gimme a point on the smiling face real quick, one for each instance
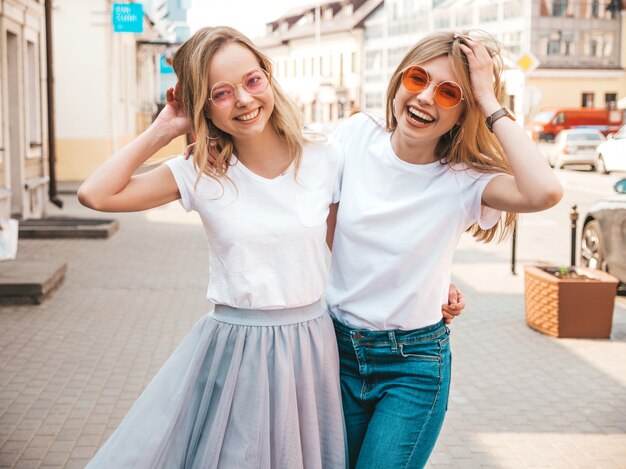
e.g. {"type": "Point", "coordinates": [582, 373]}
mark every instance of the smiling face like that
{"type": "Point", "coordinates": [248, 116]}
{"type": "Point", "coordinates": [420, 119]}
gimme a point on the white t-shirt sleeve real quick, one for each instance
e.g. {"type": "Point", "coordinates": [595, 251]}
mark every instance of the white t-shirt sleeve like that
{"type": "Point", "coordinates": [486, 217]}
{"type": "Point", "coordinates": [472, 184]}
{"type": "Point", "coordinates": [185, 175]}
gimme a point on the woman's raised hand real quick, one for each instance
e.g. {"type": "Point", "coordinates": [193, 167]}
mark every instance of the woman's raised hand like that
{"type": "Point", "coordinates": [172, 119]}
{"type": "Point", "coordinates": [481, 67]}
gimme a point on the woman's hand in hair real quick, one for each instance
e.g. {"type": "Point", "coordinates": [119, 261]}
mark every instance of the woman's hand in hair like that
{"type": "Point", "coordinates": [481, 67]}
{"type": "Point", "coordinates": [172, 120]}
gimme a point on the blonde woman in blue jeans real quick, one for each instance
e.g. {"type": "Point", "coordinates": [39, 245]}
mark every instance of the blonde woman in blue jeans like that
{"type": "Point", "coordinates": [447, 159]}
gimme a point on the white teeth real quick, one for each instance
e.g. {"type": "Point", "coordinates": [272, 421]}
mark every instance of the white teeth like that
{"type": "Point", "coordinates": [247, 117]}
{"type": "Point", "coordinates": [421, 115]}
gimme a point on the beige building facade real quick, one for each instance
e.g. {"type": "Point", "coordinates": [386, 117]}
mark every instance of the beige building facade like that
{"type": "Point", "coordinates": [578, 45]}
{"type": "Point", "coordinates": [23, 109]}
{"type": "Point", "coordinates": [106, 85]}
{"type": "Point", "coordinates": [318, 54]}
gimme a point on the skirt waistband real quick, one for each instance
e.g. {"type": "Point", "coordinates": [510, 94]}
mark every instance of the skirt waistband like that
{"type": "Point", "coordinates": [267, 317]}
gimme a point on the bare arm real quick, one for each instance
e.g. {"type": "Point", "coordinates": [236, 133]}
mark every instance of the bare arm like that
{"type": "Point", "coordinates": [331, 222]}
{"type": "Point", "coordinates": [533, 186]}
{"type": "Point", "coordinates": [113, 188]}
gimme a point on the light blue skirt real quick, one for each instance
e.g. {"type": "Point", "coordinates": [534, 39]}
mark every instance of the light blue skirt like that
{"type": "Point", "coordinates": [245, 389]}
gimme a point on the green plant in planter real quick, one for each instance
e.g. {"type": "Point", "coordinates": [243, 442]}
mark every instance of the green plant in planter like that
{"type": "Point", "coordinates": [562, 270]}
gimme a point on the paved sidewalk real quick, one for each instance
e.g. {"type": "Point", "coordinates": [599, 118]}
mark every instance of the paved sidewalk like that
{"type": "Point", "coordinates": [71, 368]}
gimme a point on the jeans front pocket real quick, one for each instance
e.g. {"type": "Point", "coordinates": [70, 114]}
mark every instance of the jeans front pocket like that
{"type": "Point", "coordinates": [420, 353]}
{"type": "Point", "coordinates": [419, 356]}
{"type": "Point", "coordinates": [427, 348]}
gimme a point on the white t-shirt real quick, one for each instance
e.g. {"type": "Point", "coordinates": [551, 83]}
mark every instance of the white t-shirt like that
{"type": "Point", "coordinates": [397, 228]}
{"type": "Point", "coordinates": [267, 237]}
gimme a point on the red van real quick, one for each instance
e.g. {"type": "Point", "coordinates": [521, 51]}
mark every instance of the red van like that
{"type": "Point", "coordinates": [549, 122]}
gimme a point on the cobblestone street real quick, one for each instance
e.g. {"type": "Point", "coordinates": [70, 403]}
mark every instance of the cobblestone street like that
{"type": "Point", "coordinates": [71, 368]}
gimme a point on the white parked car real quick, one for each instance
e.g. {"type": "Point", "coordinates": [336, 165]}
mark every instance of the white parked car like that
{"type": "Point", "coordinates": [574, 146]}
{"type": "Point", "coordinates": [611, 155]}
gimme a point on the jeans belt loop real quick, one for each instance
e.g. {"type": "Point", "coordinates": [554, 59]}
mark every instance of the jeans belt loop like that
{"type": "Point", "coordinates": [392, 339]}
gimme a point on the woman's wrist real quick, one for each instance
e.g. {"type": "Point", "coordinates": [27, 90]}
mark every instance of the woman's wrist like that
{"type": "Point", "coordinates": [490, 107]}
{"type": "Point", "coordinates": [160, 134]}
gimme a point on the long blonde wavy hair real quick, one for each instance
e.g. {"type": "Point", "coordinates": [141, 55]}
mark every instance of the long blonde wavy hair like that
{"type": "Point", "coordinates": [469, 142]}
{"type": "Point", "coordinates": [191, 65]}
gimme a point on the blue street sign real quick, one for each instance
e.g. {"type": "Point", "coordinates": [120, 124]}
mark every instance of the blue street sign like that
{"type": "Point", "coordinates": [128, 17]}
{"type": "Point", "coordinates": [165, 67]}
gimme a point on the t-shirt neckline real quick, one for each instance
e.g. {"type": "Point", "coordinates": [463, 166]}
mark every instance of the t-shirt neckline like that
{"type": "Point", "coordinates": [236, 163]}
{"type": "Point", "coordinates": [395, 159]}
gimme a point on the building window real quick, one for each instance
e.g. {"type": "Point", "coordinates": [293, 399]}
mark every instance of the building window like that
{"type": "Point", "coordinates": [559, 7]}
{"type": "Point", "coordinates": [394, 12]}
{"type": "Point", "coordinates": [568, 44]}
{"type": "Point", "coordinates": [512, 42]}
{"type": "Point", "coordinates": [512, 9]}
{"type": "Point", "coordinates": [610, 100]}
{"type": "Point", "coordinates": [373, 100]}
{"type": "Point", "coordinates": [394, 56]}
{"type": "Point", "coordinates": [554, 47]}
{"type": "Point", "coordinates": [587, 100]}
{"type": "Point", "coordinates": [374, 78]}
{"type": "Point", "coordinates": [559, 43]}
{"type": "Point", "coordinates": [608, 45]}
{"type": "Point", "coordinates": [462, 18]}
{"type": "Point", "coordinates": [598, 44]}
{"type": "Point", "coordinates": [612, 9]}
{"type": "Point", "coordinates": [442, 21]}
{"type": "Point", "coordinates": [373, 60]}
{"type": "Point", "coordinates": [374, 32]}
{"type": "Point", "coordinates": [488, 13]}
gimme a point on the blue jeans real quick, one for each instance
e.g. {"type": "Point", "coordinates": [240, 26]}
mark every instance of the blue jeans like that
{"type": "Point", "coordinates": [395, 387]}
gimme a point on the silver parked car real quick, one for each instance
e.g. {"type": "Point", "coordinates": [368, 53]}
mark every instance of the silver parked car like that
{"type": "Point", "coordinates": [611, 155]}
{"type": "Point", "coordinates": [574, 146]}
{"type": "Point", "coordinates": [603, 243]}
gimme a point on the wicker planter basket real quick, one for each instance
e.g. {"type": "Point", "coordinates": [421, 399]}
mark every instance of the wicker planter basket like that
{"type": "Point", "coordinates": [570, 307]}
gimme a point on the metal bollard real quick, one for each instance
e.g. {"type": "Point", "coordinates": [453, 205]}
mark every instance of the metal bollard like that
{"type": "Point", "coordinates": [573, 216]}
{"type": "Point", "coordinates": [514, 249]}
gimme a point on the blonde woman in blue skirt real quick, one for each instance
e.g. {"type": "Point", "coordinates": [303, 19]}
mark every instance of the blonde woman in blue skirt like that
{"type": "Point", "coordinates": [255, 384]}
